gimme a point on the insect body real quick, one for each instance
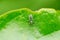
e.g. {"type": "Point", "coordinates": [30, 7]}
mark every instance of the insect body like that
{"type": "Point", "coordinates": [30, 19]}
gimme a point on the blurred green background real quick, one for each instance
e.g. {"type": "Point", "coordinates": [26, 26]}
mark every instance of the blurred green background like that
{"type": "Point", "coordinates": [7, 5]}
